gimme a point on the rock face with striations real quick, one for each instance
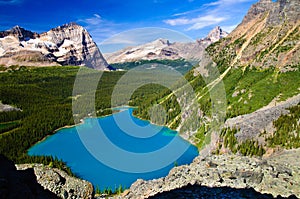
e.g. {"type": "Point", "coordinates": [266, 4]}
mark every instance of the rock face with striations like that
{"type": "Point", "coordinates": [269, 36]}
{"type": "Point", "coordinates": [69, 44]}
{"type": "Point", "coordinates": [278, 12]}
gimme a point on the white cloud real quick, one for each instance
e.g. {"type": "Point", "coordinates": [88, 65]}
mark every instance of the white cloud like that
{"type": "Point", "coordinates": [179, 21]}
{"type": "Point", "coordinates": [187, 12]}
{"type": "Point", "coordinates": [229, 28]}
{"type": "Point", "coordinates": [138, 36]}
{"type": "Point", "coordinates": [219, 12]}
{"type": "Point", "coordinates": [226, 2]}
{"type": "Point", "coordinates": [92, 21]}
{"type": "Point", "coordinates": [197, 23]}
{"type": "Point", "coordinates": [98, 27]}
{"type": "Point", "coordinates": [205, 21]}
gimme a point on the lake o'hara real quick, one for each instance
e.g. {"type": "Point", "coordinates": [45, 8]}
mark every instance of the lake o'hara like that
{"type": "Point", "coordinates": [69, 144]}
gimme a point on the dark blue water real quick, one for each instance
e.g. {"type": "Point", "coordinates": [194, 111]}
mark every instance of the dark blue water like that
{"type": "Point", "coordinates": [109, 153]}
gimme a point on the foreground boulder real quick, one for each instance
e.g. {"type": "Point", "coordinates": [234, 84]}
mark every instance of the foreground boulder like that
{"type": "Point", "coordinates": [23, 184]}
{"type": "Point", "coordinates": [59, 182]}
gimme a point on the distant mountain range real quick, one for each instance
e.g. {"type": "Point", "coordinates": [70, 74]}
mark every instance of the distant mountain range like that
{"type": "Point", "coordinates": [69, 44]}
{"type": "Point", "coordinates": [163, 49]}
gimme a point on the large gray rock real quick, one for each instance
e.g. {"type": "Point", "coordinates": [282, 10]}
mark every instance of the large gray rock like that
{"type": "Point", "coordinates": [226, 176]}
{"type": "Point", "coordinates": [59, 182]}
{"type": "Point", "coordinates": [23, 184]}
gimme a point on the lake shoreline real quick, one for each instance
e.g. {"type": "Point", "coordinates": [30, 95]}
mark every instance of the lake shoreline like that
{"type": "Point", "coordinates": [70, 143]}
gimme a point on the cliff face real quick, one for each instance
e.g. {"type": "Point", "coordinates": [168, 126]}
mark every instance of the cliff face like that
{"type": "Point", "coordinates": [279, 11]}
{"type": "Point", "coordinates": [58, 182]}
{"type": "Point", "coordinates": [69, 44]}
{"type": "Point", "coordinates": [19, 184]}
{"type": "Point", "coordinates": [40, 182]}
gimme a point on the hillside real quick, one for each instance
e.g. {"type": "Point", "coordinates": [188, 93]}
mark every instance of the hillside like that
{"type": "Point", "coordinates": [267, 37]}
{"type": "Point", "coordinates": [254, 66]}
{"type": "Point", "coordinates": [240, 105]}
{"type": "Point", "coordinates": [69, 44]}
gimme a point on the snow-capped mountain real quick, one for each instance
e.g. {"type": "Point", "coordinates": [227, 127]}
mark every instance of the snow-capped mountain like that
{"type": "Point", "coordinates": [69, 44]}
{"type": "Point", "coordinates": [163, 49]}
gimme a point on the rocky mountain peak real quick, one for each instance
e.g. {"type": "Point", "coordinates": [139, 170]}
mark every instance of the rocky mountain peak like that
{"type": "Point", "coordinates": [68, 26]}
{"type": "Point", "coordinates": [18, 32]}
{"type": "Point", "coordinates": [277, 12]}
{"type": "Point", "coordinates": [163, 49]}
{"type": "Point", "coordinates": [69, 44]}
{"type": "Point", "coordinates": [164, 41]}
{"type": "Point", "coordinates": [216, 34]}
{"type": "Point", "coordinates": [267, 37]}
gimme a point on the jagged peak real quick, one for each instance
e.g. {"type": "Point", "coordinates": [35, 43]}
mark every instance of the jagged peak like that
{"type": "Point", "coordinates": [72, 25]}
{"type": "Point", "coordinates": [216, 34]}
{"type": "Point", "coordinates": [19, 32]}
{"type": "Point", "coordinates": [17, 28]}
{"type": "Point", "coordinates": [164, 41]}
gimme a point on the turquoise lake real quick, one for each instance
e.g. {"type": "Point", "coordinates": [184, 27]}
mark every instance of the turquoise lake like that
{"type": "Point", "coordinates": [121, 151]}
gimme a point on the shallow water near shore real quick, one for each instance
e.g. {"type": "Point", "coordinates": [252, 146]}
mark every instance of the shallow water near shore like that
{"type": "Point", "coordinates": [67, 145]}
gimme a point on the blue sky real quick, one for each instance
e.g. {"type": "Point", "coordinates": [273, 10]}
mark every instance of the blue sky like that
{"type": "Point", "coordinates": [105, 18]}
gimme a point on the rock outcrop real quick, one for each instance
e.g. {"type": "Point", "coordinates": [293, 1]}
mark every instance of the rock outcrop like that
{"type": "Point", "coordinates": [40, 182]}
{"type": "Point", "coordinates": [59, 182]}
{"type": "Point", "coordinates": [279, 11]}
{"type": "Point", "coordinates": [163, 49]}
{"type": "Point", "coordinates": [8, 108]}
{"type": "Point", "coordinates": [69, 44]}
{"type": "Point", "coordinates": [226, 176]}
{"type": "Point", "coordinates": [16, 184]}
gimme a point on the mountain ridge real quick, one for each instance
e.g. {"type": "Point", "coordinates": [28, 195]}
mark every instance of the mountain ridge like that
{"type": "Point", "coordinates": [69, 44]}
{"type": "Point", "coordinates": [163, 49]}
